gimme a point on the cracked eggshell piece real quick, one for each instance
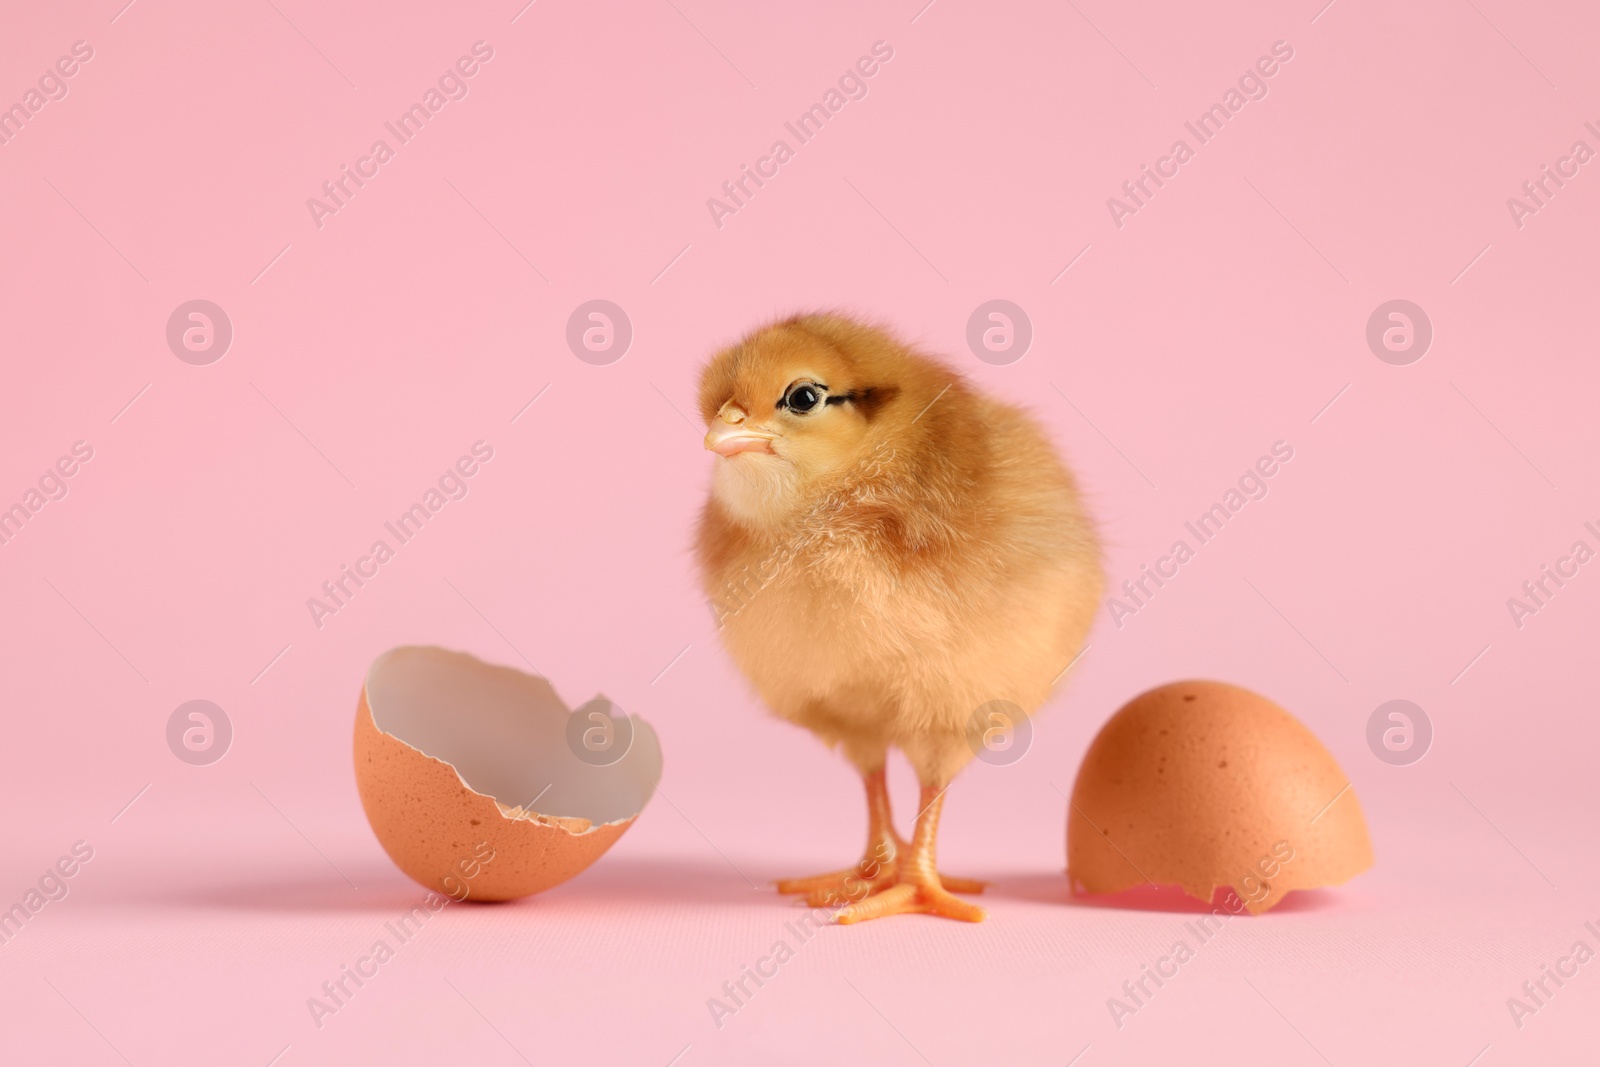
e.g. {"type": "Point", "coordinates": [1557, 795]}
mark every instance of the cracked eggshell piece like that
{"type": "Point", "coordinates": [1204, 784]}
{"type": "Point", "coordinates": [452, 753]}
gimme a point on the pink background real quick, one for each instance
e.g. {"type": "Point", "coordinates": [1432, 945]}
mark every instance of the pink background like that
{"type": "Point", "coordinates": [1222, 317]}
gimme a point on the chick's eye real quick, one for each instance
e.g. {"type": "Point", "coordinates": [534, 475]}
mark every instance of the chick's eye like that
{"type": "Point", "coordinates": [802, 398]}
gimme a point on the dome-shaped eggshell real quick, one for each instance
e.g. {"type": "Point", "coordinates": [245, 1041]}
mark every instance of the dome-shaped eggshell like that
{"type": "Point", "coordinates": [1203, 784]}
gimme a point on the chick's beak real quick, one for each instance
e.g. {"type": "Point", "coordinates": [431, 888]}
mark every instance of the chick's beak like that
{"type": "Point", "coordinates": [730, 434]}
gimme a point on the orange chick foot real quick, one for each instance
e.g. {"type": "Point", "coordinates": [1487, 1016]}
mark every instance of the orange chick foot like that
{"type": "Point", "coordinates": [896, 876]}
{"type": "Point", "coordinates": [822, 890]}
{"type": "Point", "coordinates": [907, 898]}
{"type": "Point", "coordinates": [869, 877]}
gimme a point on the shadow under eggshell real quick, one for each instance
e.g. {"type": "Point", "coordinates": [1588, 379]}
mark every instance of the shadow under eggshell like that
{"type": "Point", "coordinates": [436, 827]}
{"type": "Point", "coordinates": [1204, 784]}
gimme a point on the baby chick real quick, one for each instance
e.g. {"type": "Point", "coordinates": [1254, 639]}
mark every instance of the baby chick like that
{"type": "Point", "coordinates": [887, 551]}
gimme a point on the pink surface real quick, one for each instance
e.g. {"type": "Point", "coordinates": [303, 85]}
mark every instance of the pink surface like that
{"type": "Point", "coordinates": [368, 353]}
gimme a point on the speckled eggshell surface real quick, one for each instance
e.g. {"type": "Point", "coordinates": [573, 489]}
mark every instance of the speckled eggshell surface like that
{"type": "Point", "coordinates": [469, 740]}
{"type": "Point", "coordinates": [1202, 784]}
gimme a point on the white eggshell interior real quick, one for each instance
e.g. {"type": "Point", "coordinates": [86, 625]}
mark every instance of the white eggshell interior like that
{"type": "Point", "coordinates": [505, 733]}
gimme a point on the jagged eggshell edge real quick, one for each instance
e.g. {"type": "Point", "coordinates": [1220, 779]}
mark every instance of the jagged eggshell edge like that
{"type": "Point", "coordinates": [1328, 851]}
{"type": "Point", "coordinates": [429, 820]}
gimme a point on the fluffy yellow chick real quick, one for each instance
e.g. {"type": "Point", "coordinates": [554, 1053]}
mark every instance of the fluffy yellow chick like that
{"type": "Point", "coordinates": [887, 550]}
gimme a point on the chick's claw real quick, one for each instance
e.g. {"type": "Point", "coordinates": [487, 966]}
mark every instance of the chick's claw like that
{"type": "Point", "coordinates": [896, 900]}
{"type": "Point", "coordinates": [852, 883]}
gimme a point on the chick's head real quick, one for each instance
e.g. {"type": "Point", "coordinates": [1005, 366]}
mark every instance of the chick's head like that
{"type": "Point", "coordinates": [791, 409]}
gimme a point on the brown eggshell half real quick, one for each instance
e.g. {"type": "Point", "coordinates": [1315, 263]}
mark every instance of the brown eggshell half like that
{"type": "Point", "coordinates": [1204, 784]}
{"type": "Point", "coordinates": [450, 754]}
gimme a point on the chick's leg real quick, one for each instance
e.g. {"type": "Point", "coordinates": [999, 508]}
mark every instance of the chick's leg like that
{"type": "Point", "coordinates": [949, 881]}
{"type": "Point", "coordinates": [918, 889]}
{"type": "Point", "coordinates": [877, 867]}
